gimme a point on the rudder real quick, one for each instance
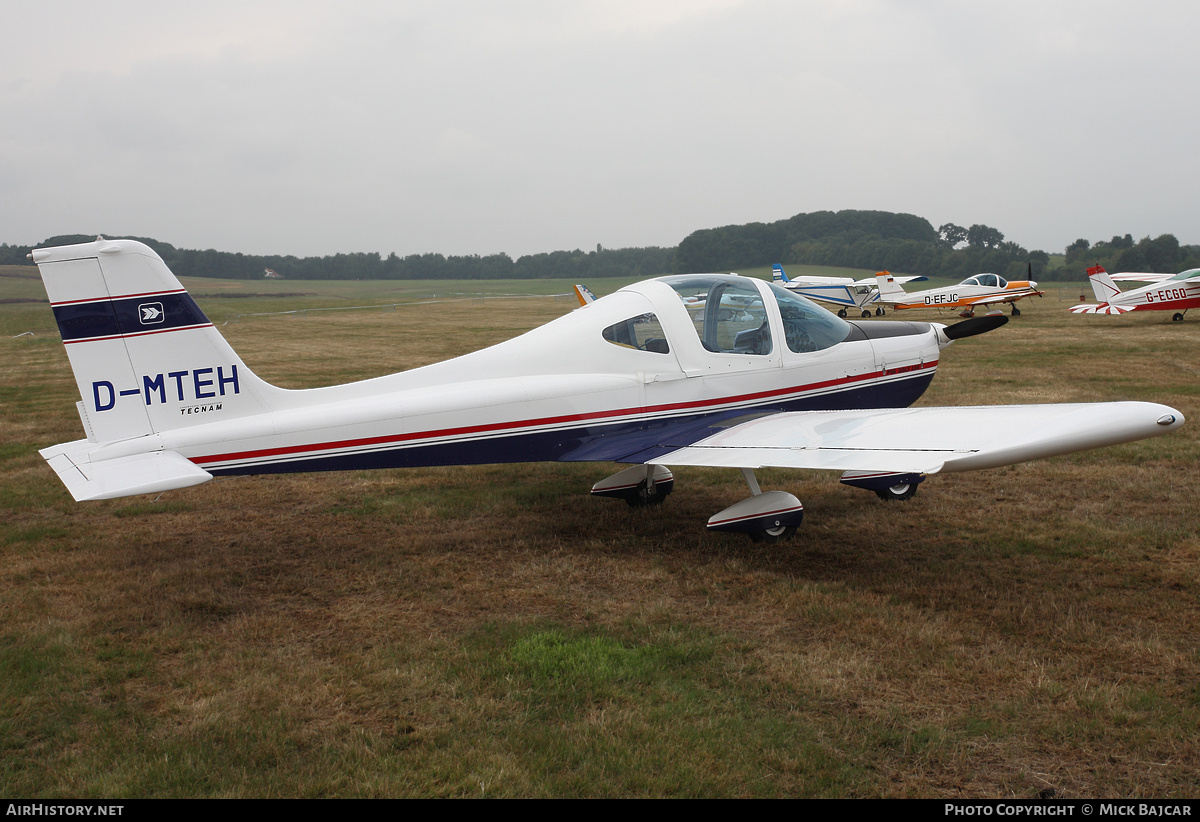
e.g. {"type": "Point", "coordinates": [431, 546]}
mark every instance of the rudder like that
{"type": "Point", "coordinates": [1102, 285]}
{"type": "Point", "coordinates": [888, 287]}
{"type": "Point", "coordinates": [145, 357]}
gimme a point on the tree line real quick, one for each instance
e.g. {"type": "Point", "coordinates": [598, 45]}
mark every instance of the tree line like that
{"type": "Point", "coordinates": [877, 240]}
{"type": "Point", "coordinates": [577, 264]}
{"type": "Point", "coordinates": [1163, 255]}
{"type": "Point", "coordinates": [862, 239]}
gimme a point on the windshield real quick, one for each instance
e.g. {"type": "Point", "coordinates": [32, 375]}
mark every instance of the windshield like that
{"type": "Point", "coordinates": [807, 326]}
{"type": "Point", "coordinates": [727, 312]}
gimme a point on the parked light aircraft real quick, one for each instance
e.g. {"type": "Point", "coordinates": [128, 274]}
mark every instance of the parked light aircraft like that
{"type": "Point", "coordinates": [1166, 292]}
{"type": "Point", "coordinates": [634, 377]}
{"type": "Point", "coordinates": [982, 289]}
{"type": "Point", "coordinates": [584, 295]}
{"type": "Point", "coordinates": [846, 292]}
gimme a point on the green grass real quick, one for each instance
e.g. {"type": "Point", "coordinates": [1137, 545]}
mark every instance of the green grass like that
{"type": "Point", "coordinates": [493, 631]}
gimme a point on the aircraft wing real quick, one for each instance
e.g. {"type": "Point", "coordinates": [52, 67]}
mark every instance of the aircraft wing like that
{"type": "Point", "coordinates": [925, 440]}
{"type": "Point", "coordinates": [1140, 277]}
{"type": "Point", "coordinates": [817, 280]}
{"type": "Point", "coordinates": [899, 280]}
{"type": "Point", "coordinates": [1006, 296]}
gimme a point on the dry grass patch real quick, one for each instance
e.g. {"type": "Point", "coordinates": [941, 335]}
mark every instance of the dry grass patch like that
{"type": "Point", "coordinates": [493, 631]}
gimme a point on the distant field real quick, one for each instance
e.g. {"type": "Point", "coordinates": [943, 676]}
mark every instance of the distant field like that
{"type": "Point", "coordinates": [494, 631]}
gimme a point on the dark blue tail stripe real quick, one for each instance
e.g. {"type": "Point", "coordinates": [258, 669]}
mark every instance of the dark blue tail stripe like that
{"type": "Point", "coordinates": [125, 316]}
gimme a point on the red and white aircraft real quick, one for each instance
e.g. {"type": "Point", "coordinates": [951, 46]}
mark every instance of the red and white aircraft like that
{"type": "Point", "coordinates": [1166, 292]}
{"type": "Point", "coordinates": [640, 377]}
{"type": "Point", "coordinates": [982, 289]}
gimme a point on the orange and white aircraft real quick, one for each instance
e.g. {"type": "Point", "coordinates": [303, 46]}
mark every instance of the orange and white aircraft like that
{"type": "Point", "coordinates": [982, 289]}
{"type": "Point", "coordinates": [1165, 292]}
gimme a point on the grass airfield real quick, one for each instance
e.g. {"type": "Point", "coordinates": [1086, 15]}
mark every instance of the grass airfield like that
{"type": "Point", "coordinates": [494, 631]}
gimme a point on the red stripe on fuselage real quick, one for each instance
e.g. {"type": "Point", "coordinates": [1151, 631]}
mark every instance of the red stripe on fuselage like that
{"type": "Point", "coordinates": [1168, 305]}
{"type": "Point", "coordinates": [492, 428]}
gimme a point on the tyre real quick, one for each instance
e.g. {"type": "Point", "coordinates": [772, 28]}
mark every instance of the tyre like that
{"type": "Point", "coordinates": [777, 534]}
{"type": "Point", "coordinates": [903, 491]}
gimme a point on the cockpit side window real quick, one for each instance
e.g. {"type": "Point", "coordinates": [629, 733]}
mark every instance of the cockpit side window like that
{"type": "Point", "coordinates": [642, 332]}
{"type": "Point", "coordinates": [729, 316]}
{"type": "Point", "coordinates": [807, 326]}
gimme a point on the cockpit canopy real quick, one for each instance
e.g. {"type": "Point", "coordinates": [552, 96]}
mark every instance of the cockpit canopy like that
{"type": "Point", "coordinates": [730, 316]}
{"type": "Point", "coordinates": [989, 280]}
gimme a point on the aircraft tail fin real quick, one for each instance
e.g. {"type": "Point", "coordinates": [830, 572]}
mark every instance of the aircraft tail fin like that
{"type": "Point", "coordinates": [584, 295]}
{"type": "Point", "coordinates": [778, 275]}
{"type": "Point", "coordinates": [1102, 284]}
{"type": "Point", "coordinates": [145, 357]}
{"type": "Point", "coordinates": [889, 289]}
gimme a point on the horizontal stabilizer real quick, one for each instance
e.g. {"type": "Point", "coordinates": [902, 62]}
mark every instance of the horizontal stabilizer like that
{"type": "Point", "coordinates": [925, 440]}
{"type": "Point", "coordinates": [1102, 308]}
{"type": "Point", "coordinates": [147, 473]}
{"type": "Point", "coordinates": [1140, 277]}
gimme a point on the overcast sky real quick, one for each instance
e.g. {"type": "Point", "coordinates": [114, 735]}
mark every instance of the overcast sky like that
{"type": "Point", "coordinates": [473, 127]}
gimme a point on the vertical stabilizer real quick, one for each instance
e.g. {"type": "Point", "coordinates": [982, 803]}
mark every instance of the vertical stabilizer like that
{"type": "Point", "coordinates": [1102, 284]}
{"type": "Point", "coordinates": [145, 357]}
{"type": "Point", "coordinates": [778, 275]}
{"type": "Point", "coordinates": [584, 295]}
{"type": "Point", "coordinates": [889, 289]}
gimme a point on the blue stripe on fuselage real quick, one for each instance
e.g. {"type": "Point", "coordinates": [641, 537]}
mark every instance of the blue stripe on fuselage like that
{"type": "Point", "coordinates": [630, 441]}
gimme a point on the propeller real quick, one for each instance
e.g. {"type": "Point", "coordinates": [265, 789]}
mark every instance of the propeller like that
{"type": "Point", "coordinates": [975, 325]}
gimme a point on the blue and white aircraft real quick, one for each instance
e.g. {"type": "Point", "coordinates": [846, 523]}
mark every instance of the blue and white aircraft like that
{"type": "Point", "coordinates": [846, 292]}
{"type": "Point", "coordinates": [641, 377]}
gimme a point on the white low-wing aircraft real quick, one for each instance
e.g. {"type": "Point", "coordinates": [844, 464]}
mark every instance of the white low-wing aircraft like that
{"type": "Point", "coordinates": [845, 292]}
{"type": "Point", "coordinates": [636, 377]}
{"type": "Point", "coordinates": [1166, 292]}
{"type": "Point", "coordinates": [980, 290]}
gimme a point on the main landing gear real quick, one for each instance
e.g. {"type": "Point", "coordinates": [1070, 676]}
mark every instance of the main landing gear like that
{"type": "Point", "coordinates": [866, 312]}
{"type": "Point", "coordinates": [769, 516]}
{"type": "Point", "coordinates": [887, 486]}
{"type": "Point", "coordinates": [764, 517]}
{"type": "Point", "coordinates": [640, 486]}
{"type": "Point", "coordinates": [1178, 317]}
